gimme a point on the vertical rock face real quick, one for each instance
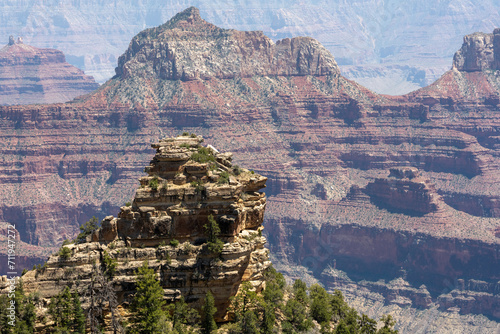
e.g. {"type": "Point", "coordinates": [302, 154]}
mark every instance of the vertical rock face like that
{"type": "Point", "coordinates": [173, 205]}
{"type": "Point", "coordinates": [321, 139]}
{"type": "Point", "coordinates": [476, 53]}
{"type": "Point", "coordinates": [472, 81]}
{"type": "Point", "coordinates": [30, 75]}
{"type": "Point", "coordinates": [179, 194]}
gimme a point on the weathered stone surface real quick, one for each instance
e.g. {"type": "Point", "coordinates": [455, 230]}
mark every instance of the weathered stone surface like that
{"type": "Point", "coordinates": [476, 54]}
{"type": "Point", "coordinates": [177, 50]}
{"type": "Point", "coordinates": [30, 75]}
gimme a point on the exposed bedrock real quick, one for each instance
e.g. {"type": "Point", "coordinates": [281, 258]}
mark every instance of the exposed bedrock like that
{"type": "Point", "coordinates": [319, 138]}
{"type": "Point", "coordinates": [476, 205]}
{"type": "Point", "coordinates": [406, 191]}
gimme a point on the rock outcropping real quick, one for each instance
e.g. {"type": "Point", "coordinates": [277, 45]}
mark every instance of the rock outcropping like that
{"type": "Point", "coordinates": [166, 225]}
{"type": "Point", "coordinates": [473, 78]}
{"type": "Point", "coordinates": [179, 50]}
{"type": "Point", "coordinates": [30, 75]}
{"type": "Point", "coordinates": [404, 190]}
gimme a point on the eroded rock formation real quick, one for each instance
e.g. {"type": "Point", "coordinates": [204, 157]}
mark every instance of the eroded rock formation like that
{"type": "Point", "coordinates": [174, 202]}
{"type": "Point", "coordinates": [31, 75]}
{"type": "Point", "coordinates": [405, 190]}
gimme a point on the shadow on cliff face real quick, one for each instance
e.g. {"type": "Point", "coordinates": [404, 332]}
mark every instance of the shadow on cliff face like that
{"type": "Point", "coordinates": [381, 204]}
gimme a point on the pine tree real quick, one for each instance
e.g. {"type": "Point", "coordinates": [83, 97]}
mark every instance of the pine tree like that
{"type": "Point", "coordinates": [60, 309]}
{"type": "Point", "coordinates": [215, 245]}
{"type": "Point", "coordinates": [320, 309]}
{"type": "Point", "coordinates": [249, 323]}
{"type": "Point", "coordinates": [367, 325]}
{"type": "Point", "coordinates": [300, 292]}
{"type": "Point", "coordinates": [87, 229]}
{"type": "Point", "coordinates": [275, 283]}
{"type": "Point", "coordinates": [208, 322]}
{"type": "Point", "coordinates": [296, 316]}
{"type": "Point", "coordinates": [388, 327]}
{"type": "Point", "coordinates": [78, 315]}
{"type": "Point", "coordinates": [183, 315]}
{"type": "Point", "coordinates": [339, 306]}
{"type": "Point", "coordinates": [148, 302]}
{"type": "Point", "coordinates": [268, 319]}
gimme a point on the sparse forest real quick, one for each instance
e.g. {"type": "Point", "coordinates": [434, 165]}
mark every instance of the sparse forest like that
{"type": "Point", "coordinates": [280, 308]}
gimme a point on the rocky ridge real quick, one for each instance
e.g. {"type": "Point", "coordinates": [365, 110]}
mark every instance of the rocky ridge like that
{"type": "Point", "coordinates": [177, 50]}
{"type": "Point", "coordinates": [172, 206]}
{"type": "Point", "coordinates": [31, 75]}
{"type": "Point", "coordinates": [321, 140]}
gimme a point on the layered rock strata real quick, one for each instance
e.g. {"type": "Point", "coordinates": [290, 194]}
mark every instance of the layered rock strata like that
{"type": "Point", "coordinates": [320, 140]}
{"type": "Point", "coordinates": [30, 75]}
{"type": "Point", "coordinates": [405, 191]}
{"type": "Point", "coordinates": [166, 225]}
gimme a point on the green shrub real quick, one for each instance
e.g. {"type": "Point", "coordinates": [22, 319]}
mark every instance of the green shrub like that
{"type": "Point", "coordinates": [67, 242]}
{"type": "Point", "coordinates": [237, 170]}
{"type": "Point", "coordinates": [153, 183]}
{"type": "Point", "coordinates": [87, 229]}
{"type": "Point", "coordinates": [128, 204]}
{"type": "Point", "coordinates": [203, 155]}
{"type": "Point", "coordinates": [174, 242]}
{"type": "Point", "coordinates": [193, 135]}
{"type": "Point", "coordinates": [198, 186]}
{"type": "Point", "coordinates": [223, 178]}
{"type": "Point", "coordinates": [185, 134]}
{"type": "Point", "coordinates": [64, 253]}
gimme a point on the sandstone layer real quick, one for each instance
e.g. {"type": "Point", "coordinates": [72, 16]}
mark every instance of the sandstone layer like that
{"type": "Point", "coordinates": [173, 209]}
{"type": "Point", "coordinates": [31, 75]}
{"type": "Point", "coordinates": [322, 141]}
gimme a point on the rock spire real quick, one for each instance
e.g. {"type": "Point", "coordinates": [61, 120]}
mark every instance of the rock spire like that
{"type": "Point", "coordinates": [187, 185]}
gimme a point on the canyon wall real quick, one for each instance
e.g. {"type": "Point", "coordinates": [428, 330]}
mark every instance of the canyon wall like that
{"type": "Point", "coordinates": [170, 226]}
{"type": "Point", "coordinates": [362, 171]}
